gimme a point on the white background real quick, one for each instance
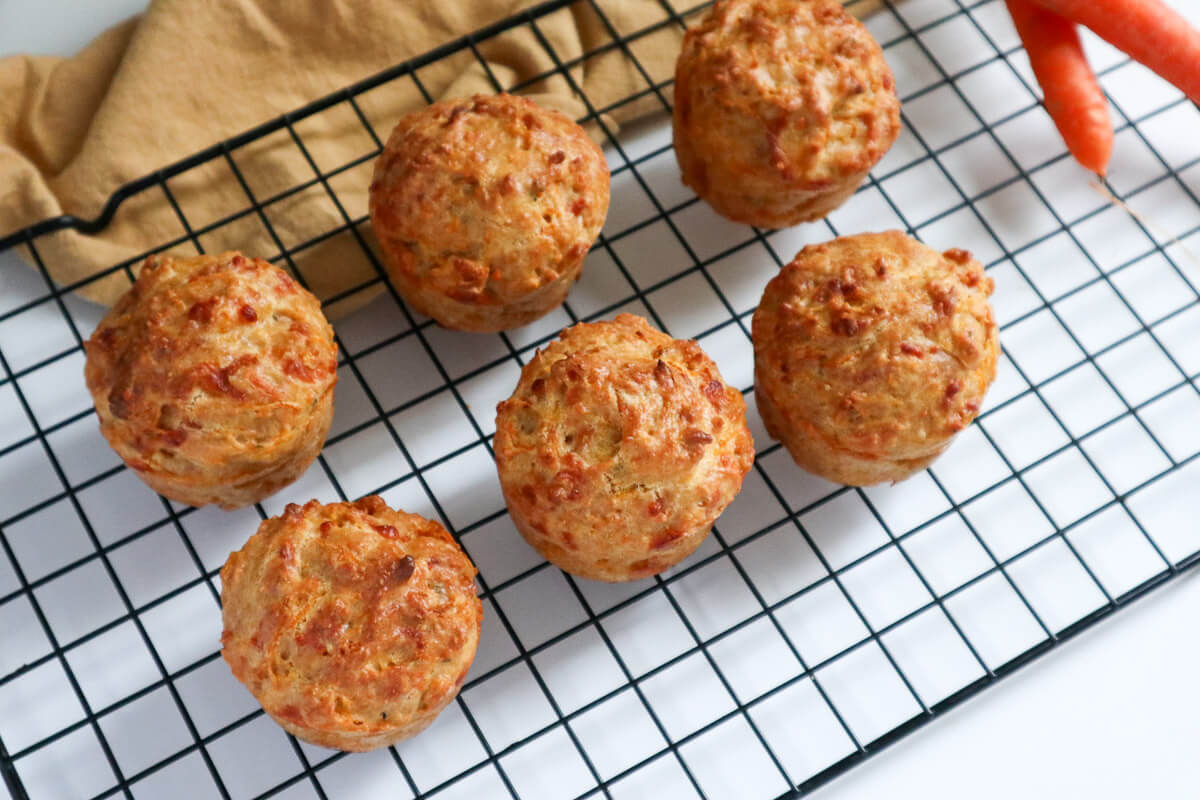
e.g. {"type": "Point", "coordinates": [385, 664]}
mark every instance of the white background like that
{"type": "Point", "coordinates": [1113, 714]}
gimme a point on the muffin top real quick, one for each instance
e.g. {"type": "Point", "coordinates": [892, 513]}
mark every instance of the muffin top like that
{"type": "Point", "coordinates": [877, 343]}
{"type": "Point", "coordinates": [619, 437]}
{"type": "Point", "coordinates": [791, 91]}
{"type": "Point", "coordinates": [350, 617]}
{"type": "Point", "coordinates": [208, 358]}
{"type": "Point", "coordinates": [488, 199]}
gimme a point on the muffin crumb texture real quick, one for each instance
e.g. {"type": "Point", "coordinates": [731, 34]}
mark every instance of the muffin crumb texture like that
{"type": "Point", "coordinates": [353, 624]}
{"type": "Point", "coordinates": [485, 209]}
{"type": "Point", "coordinates": [871, 353]}
{"type": "Point", "coordinates": [213, 378]}
{"type": "Point", "coordinates": [619, 449]}
{"type": "Point", "coordinates": [781, 109]}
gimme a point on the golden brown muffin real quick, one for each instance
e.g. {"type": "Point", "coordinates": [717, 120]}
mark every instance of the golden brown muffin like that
{"type": "Point", "coordinates": [781, 109]}
{"type": "Point", "coordinates": [871, 352]}
{"type": "Point", "coordinates": [485, 208]}
{"type": "Point", "coordinates": [213, 378]}
{"type": "Point", "coordinates": [352, 624]}
{"type": "Point", "coordinates": [619, 449]}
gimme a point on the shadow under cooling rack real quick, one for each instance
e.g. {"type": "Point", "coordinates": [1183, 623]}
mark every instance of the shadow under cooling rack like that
{"type": "Point", "coordinates": [815, 626]}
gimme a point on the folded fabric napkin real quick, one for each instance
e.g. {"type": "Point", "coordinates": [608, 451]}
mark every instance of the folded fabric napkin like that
{"type": "Point", "coordinates": [189, 73]}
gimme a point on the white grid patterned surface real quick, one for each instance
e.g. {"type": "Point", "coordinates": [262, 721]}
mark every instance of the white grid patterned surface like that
{"type": "Point", "coordinates": [813, 621]}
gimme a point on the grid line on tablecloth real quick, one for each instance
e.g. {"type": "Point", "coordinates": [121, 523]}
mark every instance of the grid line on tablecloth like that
{"type": "Point", "coordinates": [730, 591]}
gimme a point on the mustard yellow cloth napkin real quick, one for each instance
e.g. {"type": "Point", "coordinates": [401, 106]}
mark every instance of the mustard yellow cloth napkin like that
{"type": "Point", "coordinates": [190, 73]}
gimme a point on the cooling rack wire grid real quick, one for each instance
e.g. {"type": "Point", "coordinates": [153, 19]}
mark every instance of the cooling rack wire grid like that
{"type": "Point", "coordinates": [815, 626]}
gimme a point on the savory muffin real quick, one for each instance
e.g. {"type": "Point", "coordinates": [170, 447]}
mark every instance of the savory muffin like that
{"type": "Point", "coordinates": [485, 208]}
{"type": "Point", "coordinates": [871, 352]}
{"type": "Point", "coordinates": [352, 624]}
{"type": "Point", "coordinates": [213, 378]}
{"type": "Point", "coordinates": [619, 448]}
{"type": "Point", "coordinates": [781, 109]}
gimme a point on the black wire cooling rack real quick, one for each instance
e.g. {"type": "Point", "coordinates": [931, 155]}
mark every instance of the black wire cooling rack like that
{"type": "Point", "coordinates": [817, 625]}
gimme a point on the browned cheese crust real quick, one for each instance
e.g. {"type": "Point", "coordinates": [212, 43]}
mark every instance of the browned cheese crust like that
{"type": "Point", "coordinates": [871, 352]}
{"type": "Point", "coordinates": [619, 449]}
{"type": "Point", "coordinates": [485, 209]}
{"type": "Point", "coordinates": [781, 109]}
{"type": "Point", "coordinates": [353, 624]}
{"type": "Point", "coordinates": [213, 378]}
